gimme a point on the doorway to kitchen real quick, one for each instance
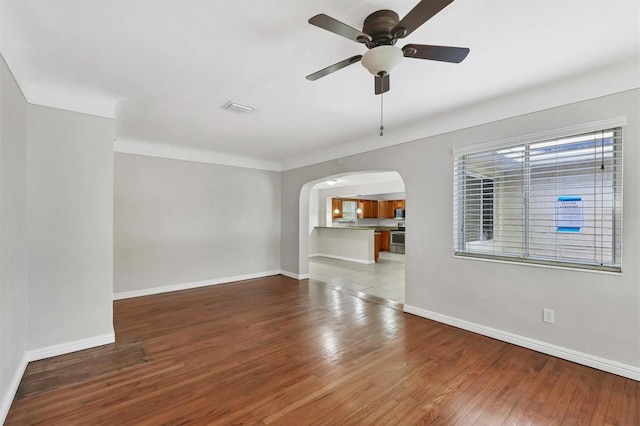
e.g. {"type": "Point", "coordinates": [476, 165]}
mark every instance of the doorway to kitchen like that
{"type": "Point", "coordinates": [356, 234]}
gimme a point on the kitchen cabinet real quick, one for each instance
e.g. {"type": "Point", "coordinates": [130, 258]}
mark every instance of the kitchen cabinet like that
{"type": "Point", "coordinates": [369, 209]}
{"type": "Point", "coordinates": [336, 206]}
{"type": "Point", "coordinates": [382, 209]}
{"type": "Point", "coordinates": [376, 245]}
{"type": "Point", "coordinates": [391, 209]}
{"type": "Point", "coordinates": [387, 208]}
{"type": "Point", "coordinates": [385, 240]}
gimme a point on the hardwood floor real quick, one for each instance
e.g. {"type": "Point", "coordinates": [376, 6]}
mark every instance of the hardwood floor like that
{"type": "Point", "coordinates": [275, 350]}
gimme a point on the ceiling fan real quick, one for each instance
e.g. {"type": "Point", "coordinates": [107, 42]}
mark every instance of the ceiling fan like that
{"type": "Point", "coordinates": [380, 32]}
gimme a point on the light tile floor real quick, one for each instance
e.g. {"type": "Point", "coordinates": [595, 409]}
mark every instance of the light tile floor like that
{"type": "Point", "coordinates": [383, 279]}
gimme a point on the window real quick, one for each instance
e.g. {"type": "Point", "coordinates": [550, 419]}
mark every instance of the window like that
{"type": "Point", "coordinates": [555, 201]}
{"type": "Point", "coordinates": [479, 209]}
{"type": "Point", "coordinates": [349, 211]}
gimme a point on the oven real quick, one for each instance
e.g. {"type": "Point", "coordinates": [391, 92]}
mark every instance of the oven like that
{"type": "Point", "coordinates": [397, 242]}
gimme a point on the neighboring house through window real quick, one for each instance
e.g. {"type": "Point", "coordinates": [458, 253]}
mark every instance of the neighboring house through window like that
{"type": "Point", "coordinates": [552, 201]}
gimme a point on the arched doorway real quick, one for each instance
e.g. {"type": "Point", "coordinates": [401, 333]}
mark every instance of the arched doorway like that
{"type": "Point", "coordinates": [338, 231]}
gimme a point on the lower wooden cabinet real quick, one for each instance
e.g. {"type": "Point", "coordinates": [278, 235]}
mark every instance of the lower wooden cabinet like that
{"type": "Point", "coordinates": [385, 240]}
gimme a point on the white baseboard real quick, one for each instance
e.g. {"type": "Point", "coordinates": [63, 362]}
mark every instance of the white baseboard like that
{"type": "Point", "coordinates": [294, 276]}
{"type": "Point", "coordinates": [42, 353]}
{"type": "Point", "coordinates": [12, 388]}
{"type": "Point", "coordinates": [599, 363]}
{"type": "Point", "coordinates": [65, 348]}
{"type": "Point", "coordinates": [187, 286]}
{"type": "Point", "coordinates": [348, 259]}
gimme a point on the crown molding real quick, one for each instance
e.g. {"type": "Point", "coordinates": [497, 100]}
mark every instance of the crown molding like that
{"type": "Point", "coordinates": [175, 152]}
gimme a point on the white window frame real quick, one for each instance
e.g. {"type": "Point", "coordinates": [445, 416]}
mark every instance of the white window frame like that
{"type": "Point", "coordinates": [618, 122]}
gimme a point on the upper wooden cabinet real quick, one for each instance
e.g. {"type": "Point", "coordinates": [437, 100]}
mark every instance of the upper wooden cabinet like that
{"type": "Point", "coordinates": [336, 208]}
{"type": "Point", "coordinates": [369, 209]}
{"type": "Point", "coordinates": [382, 209]}
{"type": "Point", "coordinates": [386, 208]}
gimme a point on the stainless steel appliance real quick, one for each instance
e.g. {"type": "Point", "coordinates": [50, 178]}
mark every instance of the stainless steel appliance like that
{"type": "Point", "coordinates": [397, 241]}
{"type": "Point", "coordinates": [399, 214]}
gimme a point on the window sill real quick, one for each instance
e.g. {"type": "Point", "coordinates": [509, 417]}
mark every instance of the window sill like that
{"type": "Point", "coordinates": [575, 268]}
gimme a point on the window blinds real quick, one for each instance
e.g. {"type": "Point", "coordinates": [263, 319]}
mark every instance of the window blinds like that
{"type": "Point", "coordinates": [556, 201]}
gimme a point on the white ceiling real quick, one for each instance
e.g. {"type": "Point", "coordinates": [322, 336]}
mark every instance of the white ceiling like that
{"type": "Point", "coordinates": [164, 69]}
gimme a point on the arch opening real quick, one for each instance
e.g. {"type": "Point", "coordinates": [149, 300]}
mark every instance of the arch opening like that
{"type": "Point", "coordinates": [352, 229]}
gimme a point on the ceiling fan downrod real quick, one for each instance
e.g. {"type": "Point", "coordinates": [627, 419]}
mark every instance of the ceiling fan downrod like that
{"type": "Point", "coordinates": [381, 114]}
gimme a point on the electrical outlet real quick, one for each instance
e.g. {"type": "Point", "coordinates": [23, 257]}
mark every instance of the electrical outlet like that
{"type": "Point", "coordinates": [548, 316]}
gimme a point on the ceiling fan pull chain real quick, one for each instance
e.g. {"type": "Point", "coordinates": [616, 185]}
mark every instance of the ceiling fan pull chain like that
{"type": "Point", "coordinates": [381, 112]}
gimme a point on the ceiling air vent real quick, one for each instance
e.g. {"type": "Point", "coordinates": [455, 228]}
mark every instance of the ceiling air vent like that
{"type": "Point", "coordinates": [235, 106]}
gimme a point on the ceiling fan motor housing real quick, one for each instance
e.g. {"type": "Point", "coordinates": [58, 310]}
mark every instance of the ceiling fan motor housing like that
{"type": "Point", "coordinates": [379, 26]}
{"type": "Point", "coordinates": [380, 32]}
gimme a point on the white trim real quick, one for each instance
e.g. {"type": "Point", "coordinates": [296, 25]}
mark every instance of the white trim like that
{"type": "Point", "coordinates": [53, 98]}
{"type": "Point", "coordinates": [187, 286]}
{"type": "Point", "coordinates": [599, 363]}
{"type": "Point", "coordinates": [294, 276]}
{"type": "Point", "coordinates": [65, 348]}
{"type": "Point", "coordinates": [544, 135]}
{"type": "Point", "coordinates": [176, 152]}
{"type": "Point", "coordinates": [537, 265]}
{"type": "Point", "coordinates": [42, 353]}
{"type": "Point", "coordinates": [348, 259]}
{"type": "Point", "coordinates": [12, 388]}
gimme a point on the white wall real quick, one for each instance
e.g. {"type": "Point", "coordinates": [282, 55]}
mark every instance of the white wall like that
{"type": "Point", "coordinates": [70, 223]}
{"type": "Point", "coordinates": [354, 245]}
{"type": "Point", "coordinates": [317, 208]}
{"type": "Point", "coordinates": [13, 236]}
{"type": "Point", "coordinates": [56, 233]}
{"type": "Point", "coordinates": [597, 314]}
{"type": "Point", "coordinates": [183, 223]}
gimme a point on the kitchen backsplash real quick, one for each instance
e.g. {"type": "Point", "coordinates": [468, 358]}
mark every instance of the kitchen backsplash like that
{"type": "Point", "coordinates": [368, 222]}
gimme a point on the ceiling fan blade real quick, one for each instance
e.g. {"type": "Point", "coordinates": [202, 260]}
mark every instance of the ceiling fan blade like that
{"type": "Point", "coordinates": [435, 53]}
{"type": "Point", "coordinates": [420, 14]}
{"type": "Point", "coordinates": [381, 84]}
{"type": "Point", "coordinates": [330, 24]}
{"type": "Point", "coordinates": [333, 68]}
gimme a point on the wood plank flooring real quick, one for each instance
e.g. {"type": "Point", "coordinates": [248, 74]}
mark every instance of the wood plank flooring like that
{"type": "Point", "coordinates": [279, 351]}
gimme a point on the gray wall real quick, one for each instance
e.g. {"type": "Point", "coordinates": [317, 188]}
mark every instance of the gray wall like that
{"type": "Point", "coordinates": [56, 232]}
{"type": "Point", "coordinates": [13, 233]}
{"type": "Point", "coordinates": [596, 313]}
{"type": "Point", "coordinates": [180, 222]}
{"type": "Point", "coordinates": [70, 223]}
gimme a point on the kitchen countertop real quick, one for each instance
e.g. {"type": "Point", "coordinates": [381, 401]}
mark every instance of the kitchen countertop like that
{"type": "Point", "coordinates": [355, 228]}
{"type": "Point", "coordinates": [375, 228]}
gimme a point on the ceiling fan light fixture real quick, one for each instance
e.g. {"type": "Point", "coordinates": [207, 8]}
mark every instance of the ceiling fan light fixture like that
{"type": "Point", "coordinates": [382, 59]}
